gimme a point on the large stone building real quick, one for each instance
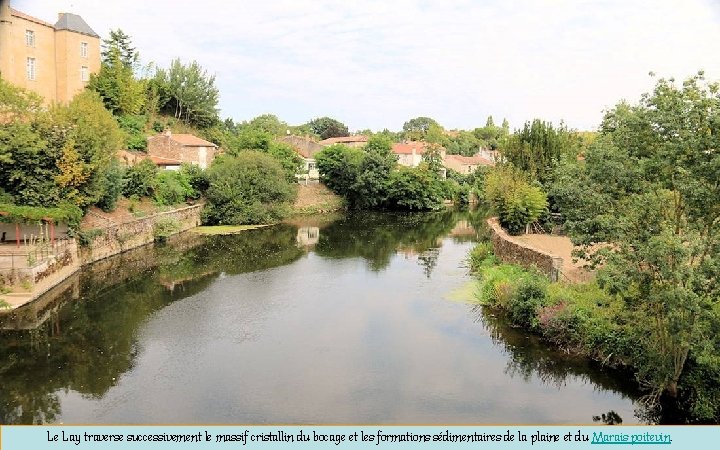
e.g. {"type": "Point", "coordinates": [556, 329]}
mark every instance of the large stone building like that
{"type": "Point", "coordinates": [53, 60]}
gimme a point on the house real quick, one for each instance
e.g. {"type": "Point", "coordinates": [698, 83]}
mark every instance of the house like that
{"type": "Point", "coordinates": [170, 150]}
{"type": "Point", "coordinates": [410, 153]}
{"type": "Point", "coordinates": [306, 148]}
{"type": "Point", "coordinates": [54, 61]}
{"type": "Point", "coordinates": [350, 141]}
{"type": "Point", "coordinates": [466, 164]}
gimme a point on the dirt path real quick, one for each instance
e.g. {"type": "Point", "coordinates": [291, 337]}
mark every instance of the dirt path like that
{"type": "Point", "coordinates": [559, 246]}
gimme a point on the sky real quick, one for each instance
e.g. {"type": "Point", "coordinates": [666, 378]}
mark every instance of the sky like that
{"type": "Point", "coordinates": [376, 64]}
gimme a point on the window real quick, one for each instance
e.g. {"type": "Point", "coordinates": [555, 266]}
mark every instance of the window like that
{"type": "Point", "coordinates": [30, 38]}
{"type": "Point", "coordinates": [30, 68]}
{"type": "Point", "coordinates": [83, 49]}
{"type": "Point", "coordinates": [84, 74]}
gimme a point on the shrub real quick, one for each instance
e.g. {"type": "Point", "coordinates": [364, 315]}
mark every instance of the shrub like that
{"type": "Point", "coordinates": [165, 227]}
{"type": "Point", "coordinates": [140, 179]}
{"type": "Point", "coordinates": [197, 178]}
{"type": "Point", "coordinates": [172, 187]}
{"type": "Point", "coordinates": [529, 296]}
{"type": "Point", "coordinates": [414, 190]}
{"type": "Point", "coordinates": [250, 188]}
{"type": "Point", "coordinates": [113, 183]}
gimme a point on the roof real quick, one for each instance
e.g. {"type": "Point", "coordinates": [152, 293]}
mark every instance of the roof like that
{"type": "Point", "coordinates": [188, 140]}
{"type": "Point", "coordinates": [471, 160]}
{"type": "Point", "coordinates": [303, 145]}
{"type": "Point", "coordinates": [22, 15]}
{"type": "Point", "coordinates": [407, 148]}
{"type": "Point", "coordinates": [134, 157]}
{"type": "Point", "coordinates": [344, 139]}
{"type": "Point", "coordinates": [73, 22]}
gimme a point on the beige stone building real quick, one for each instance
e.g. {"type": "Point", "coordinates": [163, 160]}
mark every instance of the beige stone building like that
{"type": "Point", "coordinates": [170, 150]}
{"type": "Point", "coordinates": [53, 60]}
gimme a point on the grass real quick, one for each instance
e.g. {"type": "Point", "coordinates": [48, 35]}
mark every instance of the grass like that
{"type": "Point", "coordinates": [225, 229]}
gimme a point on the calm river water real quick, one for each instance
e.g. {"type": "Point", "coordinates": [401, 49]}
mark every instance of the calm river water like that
{"type": "Point", "coordinates": [351, 319]}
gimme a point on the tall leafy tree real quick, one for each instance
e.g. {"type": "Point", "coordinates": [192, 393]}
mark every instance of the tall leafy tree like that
{"type": "Point", "coordinates": [416, 129]}
{"type": "Point", "coordinates": [188, 93]}
{"type": "Point", "coordinates": [327, 127]}
{"type": "Point", "coordinates": [538, 147]}
{"type": "Point", "coordinates": [121, 43]}
{"type": "Point", "coordinates": [121, 92]}
{"type": "Point", "coordinates": [649, 194]}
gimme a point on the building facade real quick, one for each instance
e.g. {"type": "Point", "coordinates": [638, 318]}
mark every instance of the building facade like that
{"type": "Point", "coordinates": [167, 149]}
{"type": "Point", "coordinates": [54, 61]}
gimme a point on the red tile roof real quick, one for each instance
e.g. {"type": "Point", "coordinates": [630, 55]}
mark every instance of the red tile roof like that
{"type": "Point", "coordinates": [407, 148]}
{"type": "Point", "coordinates": [344, 139]}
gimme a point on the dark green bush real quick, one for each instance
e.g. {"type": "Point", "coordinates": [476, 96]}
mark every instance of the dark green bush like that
{"type": "Point", "coordinates": [172, 187]}
{"type": "Point", "coordinates": [140, 179]}
{"type": "Point", "coordinates": [250, 188]}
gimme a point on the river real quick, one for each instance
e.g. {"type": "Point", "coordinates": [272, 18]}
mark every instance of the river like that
{"type": "Point", "coordinates": [357, 319]}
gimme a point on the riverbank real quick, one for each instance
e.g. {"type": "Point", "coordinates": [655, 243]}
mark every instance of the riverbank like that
{"type": "Point", "coordinates": [583, 319]}
{"type": "Point", "coordinates": [100, 236]}
{"type": "Point", "coordinates": [131, 225]}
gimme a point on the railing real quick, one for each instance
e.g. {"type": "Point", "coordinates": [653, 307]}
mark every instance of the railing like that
{"type": "Point", "coordinates": [28, 257]}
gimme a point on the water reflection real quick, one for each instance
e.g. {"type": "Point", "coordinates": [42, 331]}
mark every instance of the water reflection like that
{"type": "Point", "coordinates": [98, 328]}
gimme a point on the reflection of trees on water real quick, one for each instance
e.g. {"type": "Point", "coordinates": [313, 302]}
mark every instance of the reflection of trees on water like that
{"type": "Point", "coordinates": [88, 344]}
{"type": "Point", "coordinates": [376, 237]}
{"type": "Point", "coordinates": [529, 357]}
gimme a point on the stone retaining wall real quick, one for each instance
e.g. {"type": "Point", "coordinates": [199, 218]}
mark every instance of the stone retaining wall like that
{"type": "Point", "coordinates": [121, 237]}
{"type": "Point", "coordinates": [512, 251]}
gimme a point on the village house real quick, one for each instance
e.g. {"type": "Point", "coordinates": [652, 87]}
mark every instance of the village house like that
{"type": "Point", "coordinates": [410, 153]}
{"type": "Point", "coordinates": [55, 61]}
{"type": "Point", "coordinates": [306, 148]}
{"type": "Point", "coordinates": [170, 151]}
{"type": "Point", "coordinates": [466, 164]}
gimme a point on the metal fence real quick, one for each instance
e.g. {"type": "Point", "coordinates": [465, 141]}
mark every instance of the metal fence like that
{"type": "Point", "coordinates": [30, 256]}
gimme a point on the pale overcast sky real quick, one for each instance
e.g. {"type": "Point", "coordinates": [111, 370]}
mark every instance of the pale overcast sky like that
{"type": "Point", "coordinates": [376, 64]}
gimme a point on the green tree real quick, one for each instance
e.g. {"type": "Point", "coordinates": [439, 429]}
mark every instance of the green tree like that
{"type": "Point", "coordinates": [652, 174]}
{"type": "Point", "coordinates": [112, 182]}
{"type": "Point", "coordinates": [516, 202]}
{"type": "Point", "coordinates": [416, 129]}
{"type": "Point", "coordinates": [172, 187]}
{"type": "Point", "coordinates": [326, 127]}
{"type": "Point", "coordinates": [188, 93]}
{"type": "Point", "coordinates": [267, 123]}
{"type": "Point", "coordinates": [339, 166]}
{"type": "Point", "coordinates": [539, 147]}
{"type": "Point", "coordinates": [249, 188]}
{"type": "Point", "coordinates": [370, 187]}
{"type": "Point", "coordinates": [119, 45]}
{"type": "Point", "coordinates": [414, 190]}
{"type": "Point", "coordinates": [121, 92]}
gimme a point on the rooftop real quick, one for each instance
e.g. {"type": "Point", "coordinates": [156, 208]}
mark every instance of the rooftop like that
{"type": "Point", "coordinates": [73, 22]}
{"type": "Point", "coordinates": [188, 140]}
{"type": "Point", "coordinates": [344, 139]}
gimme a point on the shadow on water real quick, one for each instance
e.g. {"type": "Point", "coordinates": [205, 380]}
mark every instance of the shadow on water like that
{"type": "Point", "coordinates": [89, 339]}
{"type": "Point", "coordinates": [529, 357]}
